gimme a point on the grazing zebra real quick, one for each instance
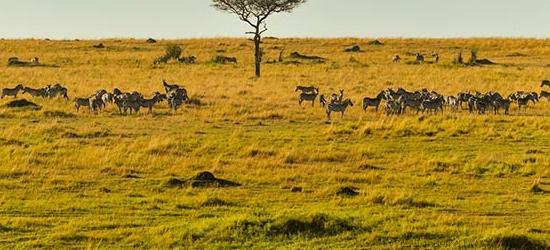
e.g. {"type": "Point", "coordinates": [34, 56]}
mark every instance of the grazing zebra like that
{"type": "Point", "coordinates": [56, 91]}
{"type": "Point", "coordinates": [308, 97]}
{"type": "Point", "coordinates": [169, 87]}
{"type": "Point", "coordinates": [12, 92]}
{"type": "Point", "coordinates": [396, 58]}
{"type": "Point", "coordinates": [373, 102]}
{"type": "Point", "coordinates": [432, 105]}
{"type": "Point", "coordinates": [501, 104]}
{"type": "Point", "coordinates": [463, 98]}
{"type": "Point", "coordinates": [82, 102]}
{"type": "Point", "coordinates": [176, 98]}
{"type": "Point", "coordinates": [453, 103]}
{"type": "Point", "coordinates": [545, 83]}
{"type": "Point", "coordinates": [410, 101]}
{"type": "Point", "coordinates": [95, 103]}
{"type": "Point", "coordinates": [392, 107]}
{"type": "Point", "coordinates": [338, 107]}
{"type": "Point", "coordinates": [545, 95]}
{"type": "Point", "coordinates": [132, 102]}
{"type": "Point", "coordinates": [306, 89]}
{"type": "Point", "coordinates": [41, 92]}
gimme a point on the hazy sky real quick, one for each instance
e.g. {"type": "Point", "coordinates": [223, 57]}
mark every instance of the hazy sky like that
{"type": "Point", "coordinates": [317, 18]}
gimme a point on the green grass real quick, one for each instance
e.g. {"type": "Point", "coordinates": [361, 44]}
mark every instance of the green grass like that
{"type": "Point", "coordinates": [452, 180]}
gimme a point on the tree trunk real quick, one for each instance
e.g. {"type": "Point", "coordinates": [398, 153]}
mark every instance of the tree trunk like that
{"type": "Point", "coordinates": [257, 54]}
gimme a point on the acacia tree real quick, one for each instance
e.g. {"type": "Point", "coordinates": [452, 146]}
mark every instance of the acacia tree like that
{"type": "Point", "coordinates": [255, 13]}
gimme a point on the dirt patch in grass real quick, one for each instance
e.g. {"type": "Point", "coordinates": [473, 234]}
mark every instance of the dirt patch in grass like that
{"type": "Point", "coordinates": [201, 180]}
{"type": "Point", "coordinates": [366, 167]}
{"type": "Point", "coordinates": [311, 226]}
{"type": "Point", "coordinates": [58, 114]}
{"type": "Point", "coordinates": [515, 242]}
{"type": "Point", "coordinates": [216, 202]}
{"type": "Point", "coordinates": [23, 103]}
{"type": "Point", "coordinates": [347, 191]}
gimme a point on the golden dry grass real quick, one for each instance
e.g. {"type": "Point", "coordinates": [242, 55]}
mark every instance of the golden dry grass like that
{"type": "Point", "coordinates": [453, 180]}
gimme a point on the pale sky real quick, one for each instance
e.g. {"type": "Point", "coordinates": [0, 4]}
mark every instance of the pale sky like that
{"type": "Point", "coordinates": [60, 19]}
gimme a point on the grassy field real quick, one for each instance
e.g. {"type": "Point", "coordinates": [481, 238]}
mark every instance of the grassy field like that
{"type": "Point", "coordinates": [451, 180]}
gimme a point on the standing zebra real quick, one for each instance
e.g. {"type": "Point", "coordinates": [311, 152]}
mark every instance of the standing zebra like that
{"type": "Point", "coordinates": [373, 102]}
{"type": "Point", "coordinates": [545, 83]}
{"type": "Point", "coordinates": [308, 97]}
{"type": "Point", "coordinates": [338, 107]}
{"type": "Point", "coordinates": [12, 92]}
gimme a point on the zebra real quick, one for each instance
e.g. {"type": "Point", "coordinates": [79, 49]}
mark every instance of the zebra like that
{"type": "Point", "coordinates": [308, 97]}
{"type": "Point", "coordinates": [56, 91]}
{"type": "Point", "coordinates": [373, 102]}
{"type": "Point", "coordinates": [411, 101]}
{"type": "Point", "coordinates": [95, 103]}
{"type": "Point", "coordinates": [132, 102]}
{"type": "Point", "coordinates": [419, 58]}
{"type": "Point", "coordinates": [41, 92]}
{"type": "Point", "coordinates": [322, 101]}
{"type": "Point", "coordinates": [169, 87]}
{"type": "Point", "coordinates": [79, 102]}
{"type": "Point", "coordinates": [501, 104]}
{"type": "Point", "coordinates": [338, 107]}
{"type": "Point", "coordinates": [396, 59]}
{"type": "Point", "coordinates": [545, 83]}
{"type": "Point", "coordinates": [432, 105]}
{"type": "Point", "coordinates": [107, 98]}
{"type": "Point", "coordinates": [453, 103]}
{"type": "Point", "coordinates": [463, 97]}
{"type": "Point", "coordinates": [149, 103]}
{"type": "Point", "coordinates": [176, 98]}
{"type": "Point", "coordinates": [335, 98]}
{"type": "Point", "coordinates": [306, 89]}
{"type": "Point", "coordinates": [392, 107]}
{"type": "Point", "coordinates": [545, 95]}
{"type": "Point", "coordinates": [12, 92]}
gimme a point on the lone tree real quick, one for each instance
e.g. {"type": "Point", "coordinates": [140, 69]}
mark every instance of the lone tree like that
{"type": "Point", "coordinates": [255, 13]}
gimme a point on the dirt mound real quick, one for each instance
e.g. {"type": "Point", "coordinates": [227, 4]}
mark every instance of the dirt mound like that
{"type": "Point", "coordinates": [347, 191]}
{"type": "Point", "coordinates": [99, 46]}
{"type": "Point", "coordinates": [207, 179]}
{"type": "Point", "coordinates": [201, 180]}
{"type": "Point", "coordinates": [538, 190]}
{"type": "Point", "coordinates": [366, 166]}
{"type": "Point", "coordinates": [354, 48]}
{"type": "Point", "coordinates": [516, 242]}
{"type": "Point", "coordinates": [516, 54]}
{"type": "Point", "coordinates": [215, 202]}
{"type": "Point", "coordinates": [297, 55]}
{"type": "Point", "coordinates": [375, 43]}
{"type": "Point", "coordinates": [151, 40]}
{"type": "Point", "coordinates": [22, 103]}
{"type": "Point", "coordinates": [484, 62]}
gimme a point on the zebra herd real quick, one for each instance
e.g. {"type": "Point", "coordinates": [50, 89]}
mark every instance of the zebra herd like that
{"type": "Point", "coordinates": [49, 91]}
{"type": "Point", "coordinates": [175, 95]}
{"type": "Point", "coordinates": [337, 102]}
{"type": "Point", "coordinates": [396, 102]}
{"type": "Point", "coordinates": [134, 101]}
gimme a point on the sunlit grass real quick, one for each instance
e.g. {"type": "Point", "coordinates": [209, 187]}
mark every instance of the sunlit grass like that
{"type": "Point", "coordinates": [452, 180]}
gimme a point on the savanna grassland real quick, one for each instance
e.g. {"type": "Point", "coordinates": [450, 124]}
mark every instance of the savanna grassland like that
{"type": "Point", "coordinates": [451, 180]}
